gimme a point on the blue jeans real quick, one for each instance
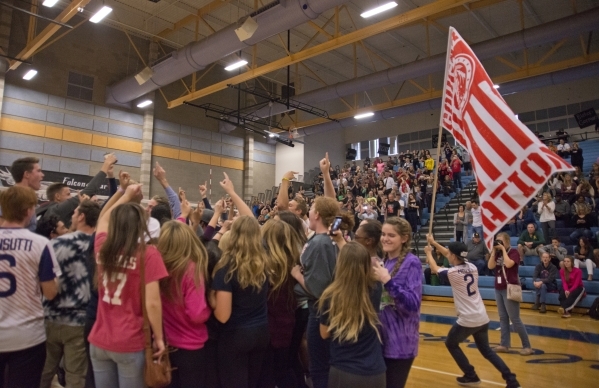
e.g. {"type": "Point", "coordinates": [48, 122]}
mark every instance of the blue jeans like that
{"type": "Point", "coordinates": [459, 333]}
{"type": "Point", "coordinates": [578, 233]}
{"type": "Point", "coordinates": [481, 265]}
{"type": "Point", "coordinates": [457, 180]}
{"type": "Point", "coordinates": [544, 289]}
{"type": "Point", "coordinates": [112, 369]}
{"type": "Point", "coordinates": [510, 311]}
{"type": "Point", "coordinates": [479, 230]}
{"type": "Point", "coordinates": [318, 350]}
{"type": "Point", "coordinates": [469, 232]}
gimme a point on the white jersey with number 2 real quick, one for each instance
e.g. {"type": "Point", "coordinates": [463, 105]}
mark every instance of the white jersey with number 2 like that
{"type": "Point", "coordinates": [468, 302]}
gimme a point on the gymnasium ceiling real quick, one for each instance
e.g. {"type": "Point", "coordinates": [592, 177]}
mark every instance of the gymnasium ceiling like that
{"type": "Point", "coordinates": [176, 23]}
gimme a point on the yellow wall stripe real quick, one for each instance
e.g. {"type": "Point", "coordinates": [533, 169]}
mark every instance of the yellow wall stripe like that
{"type": "Point", "coordinates": [56, 133]}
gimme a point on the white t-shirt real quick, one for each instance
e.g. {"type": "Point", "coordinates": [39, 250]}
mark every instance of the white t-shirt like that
{"type": "Point", "coordinates": [389, 182]}
{"type": "Point", "coordinates": [468, 302]}
{"type": "Point", "coordinates": [26, 259]}
{"type": "Point", "coordinates": [477, 219]}
{"type": "Point", "coordinates": [402, 204]}
{"type": "Point", "coordinates": [563, 147]}
{"type": "Point", "coordinates": [547, 214]}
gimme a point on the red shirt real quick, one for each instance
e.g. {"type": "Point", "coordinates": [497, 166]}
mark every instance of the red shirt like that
{"type": "Point", "coordinates": [512, 273]}
{"type": "Point", "coordinates": [119, 323]}
{"type": "Point", "coordinates": [456, 166]}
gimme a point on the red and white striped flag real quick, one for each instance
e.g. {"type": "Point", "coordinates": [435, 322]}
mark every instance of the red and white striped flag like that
{"type": "Point", "coordinates": [510, 163]}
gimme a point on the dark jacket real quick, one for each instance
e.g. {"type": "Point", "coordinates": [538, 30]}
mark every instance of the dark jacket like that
{"type": "Point", "coordinates": [547, 275]}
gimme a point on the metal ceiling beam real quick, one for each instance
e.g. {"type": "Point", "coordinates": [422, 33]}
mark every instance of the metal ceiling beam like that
{"type": "Point", "coordinates": [210, 7]}
{"type": "Point", "coordinates": [482, 22]}
{"type": "Point", "coordinates": [528, 7]}
{"type": "Point", "coordinates": [352, 37]}
{"type": "Point", "coordinates": [515, 76]}
{"type": "Point", "coordinates": [66, 15]}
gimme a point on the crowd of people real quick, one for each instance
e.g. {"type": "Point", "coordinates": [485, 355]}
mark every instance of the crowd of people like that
{"type": "Point", "coordinates": [325, 288]}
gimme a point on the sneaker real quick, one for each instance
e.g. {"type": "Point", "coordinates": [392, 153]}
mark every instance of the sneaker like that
{"type": "Point", "coordinates": [465, 380]}
{"type": "Point", "coordinates": [501, 349]}
{"type": "Point", "coordinates": [526, 352]}
{"type": "Point", "coordinates": [566, 315]}
{"type": "Point", "coordinates": [561, 311]}
{"type": "Point", "coordinates": [513, 384]}
{"type": "Point", "coordinates": [543, 309]}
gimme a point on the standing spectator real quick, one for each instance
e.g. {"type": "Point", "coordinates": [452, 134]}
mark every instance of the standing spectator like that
{"type": "Point", "coordinates": [505, 256]}
{"type": "Point", "coordinates": [353, 328]}
{"type": "Point", "coordinates": [467, 163]}
{"type": "Point", "coordinates": [555, 251]}
{"type": "Point", "coordinates": [65, 314]}
{"type": "Point", "coordinates": [429, 163]}
{"type": "Point", "coordinates": [411, 211]}
{"type": "Point", "coordinates": [393, 206]}
{"type": "Point", "coordinates": [546, 209]}
{"type": "Point", "coordinates": [456, 169]}
{"type": "Point", "coordinates": [576, 158]}
{"type": "Point", "coordinates": [26, 172]}
{"type": "Point", "coordinates": [472, 317]}
{"type": "Point", "coordinates": [544, 280]}
{"type": "Point", "coordinates": [22, 332]}
{"type": "Point", "coordinates": [400, 304]}
{"type": "Point", "coordinates": [117, 338]}
{"type": "Point", "coordinates": [572, 288]}
{"type": "Point", "coordinates": [583, 253]}
{"type": "Point", "coordinates": [477, 219]}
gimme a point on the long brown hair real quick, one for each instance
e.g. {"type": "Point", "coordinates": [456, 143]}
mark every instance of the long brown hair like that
{"type": "Point", "coordinates": [127, 230]}
{"type": "Point", "coordinates": [179, 248]}
{"type": "Point", "coordinates": [566, 270]}
{"type": "Point", "coordinates": [348, 296]}
{"type": "Point", "coordinates": [402, 228]}
{"type": "Point", "coordinates": [281, 251]}
{"type": "Point", "coordinates": [245, 256]}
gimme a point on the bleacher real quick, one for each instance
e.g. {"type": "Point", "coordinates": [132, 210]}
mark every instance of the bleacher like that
{"type": "Point", "coordinates": [486, 283]}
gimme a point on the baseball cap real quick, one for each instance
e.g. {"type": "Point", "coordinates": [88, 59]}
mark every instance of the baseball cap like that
{"type": "Point", "coordinates": [207, 215]}
{"type": "Point", "coordinates": [459, 249]}
{"type": "Point", "coordinates": [476, 235]}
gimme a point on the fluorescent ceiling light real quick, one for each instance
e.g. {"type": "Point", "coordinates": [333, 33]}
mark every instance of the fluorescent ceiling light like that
{"type": "Point", "coordinates": [271, 135]}
{"type": "Point", "coordinates": [364, 115]}
{"type": "Point", "coordinates": [379, 9]}
{"type": "Point", "coordinates": [49, 3]}
{"type": "Point", "coordinates": [145, 103]}
{"type": "Point", "coordinates": [30, 74]}
{"type": "Point", "coordinates": [236, 65]}
{"type": "Point", "coordinates": [496, 86]}
{"type": "Point", "coordinates": [101, 14]}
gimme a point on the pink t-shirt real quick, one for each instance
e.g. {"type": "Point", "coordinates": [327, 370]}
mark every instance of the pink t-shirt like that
{"type": "Point", "coordinates": [184, 320]}
{"type": "Point", "coordinates": [119, 323]}
{"type": "Point", "coordinates": [380, 167]}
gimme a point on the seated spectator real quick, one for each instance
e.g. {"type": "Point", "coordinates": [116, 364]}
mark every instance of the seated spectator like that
{"type": "Point", "coordinates": [555, 250]}
{"type": "Point", "coordinates": [529, 242]}
{"type": "Point", "coordinates": [583, 253]}
{"type": "Point", "coordinates": [441, 267]}
{"type": "Point", "coordinates": [572, 288]}
{"type": "Point", "coordinates": [524, 217]}
{"type": "Point", "coordinates": [552, 147]}
{"type": "Point", "coordinates": [563, 149]}
{"type": "Point", "coordinates": [478, 254]}
{"type": "Point", "coordinates": [580, 204]}
{"type": "Point", "coordinates": [582, 222]}
{"type": "Point", "coordinates": [447, 186]}
{"type": "Point", "coordinates": [568, 188]}
{"type": "Point", "coordinates": [544, 280]}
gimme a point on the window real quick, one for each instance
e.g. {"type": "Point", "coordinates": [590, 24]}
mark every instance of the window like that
{"type": "Point", "coordinates": [374, 148]}
{"type": "Point", "coordinates": [80, 86]}
{"type": "Point", "coordinates": [393, 145]}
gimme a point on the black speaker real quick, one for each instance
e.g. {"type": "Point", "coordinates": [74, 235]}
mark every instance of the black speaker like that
{"type": "Point", "coordinates": [383, 149]}
{"type": "Point", "coordinates": [351, 154]}
{"type": "Point", "coordinates": [436, 140]}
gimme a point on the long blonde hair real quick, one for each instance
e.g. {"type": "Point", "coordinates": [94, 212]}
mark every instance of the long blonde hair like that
{"type": "Point", "coordinates": [348, 296]}
{"type": "Point", "coordinates": [244, 256]}
{"type": "Point", "coordinates": [179, 248]}
{"type": "Point", "coordinates": [282, 252]}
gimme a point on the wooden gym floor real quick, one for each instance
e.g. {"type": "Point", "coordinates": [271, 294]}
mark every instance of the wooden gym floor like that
{"type": "Point", "coordinates": [566, 350]}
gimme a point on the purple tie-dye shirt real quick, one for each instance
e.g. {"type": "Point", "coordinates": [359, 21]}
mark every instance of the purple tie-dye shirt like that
{"type": "Point", "coordinates": [401, 321]}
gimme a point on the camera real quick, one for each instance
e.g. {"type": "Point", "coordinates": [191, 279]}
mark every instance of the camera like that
{"type": "Point", "coordinates": [497, 242]}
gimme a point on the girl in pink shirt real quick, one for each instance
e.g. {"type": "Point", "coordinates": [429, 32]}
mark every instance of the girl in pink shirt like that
{"type": "Point", "coordinates": [185, 308]}
{"type": "Point", "coordinates": [572, 288]}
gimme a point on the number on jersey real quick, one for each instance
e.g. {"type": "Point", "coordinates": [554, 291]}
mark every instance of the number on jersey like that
{"type": "Point", "coordinates": [116, 298]}
{"type": "Point", "coordinates": [12, 280]}
{"type": "Point", "coordinates": [470, 279]}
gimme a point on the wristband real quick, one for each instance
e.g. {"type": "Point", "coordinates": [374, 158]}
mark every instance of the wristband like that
{"type": "Point", "coordinates": [285, 179]}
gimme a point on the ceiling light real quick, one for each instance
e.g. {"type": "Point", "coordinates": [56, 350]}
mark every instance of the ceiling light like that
{"type": "Point", "coordinates": [101, 14]}
{"type": "Point", "coordinates": [379, 9]}
{"type": "Point", "coordinates": [236, 65]}
{"type": "Point", "coordinates": [49, 3]}
{"type": "Point", "coordinates": [271, 135]}
{"type": "Point", "coordinates": [30, 74]}
{"type": "Point", "coordinates": [363, 115]}
{"type": "Point", "coordinates": [496, 86]}
{"type": "Point", "coordinates": [145, 103]}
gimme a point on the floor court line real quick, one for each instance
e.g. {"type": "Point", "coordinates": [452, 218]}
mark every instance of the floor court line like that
{"type": "Point", "coordinates": [453, 374]}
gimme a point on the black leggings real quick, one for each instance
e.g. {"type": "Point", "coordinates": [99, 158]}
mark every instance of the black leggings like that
{"type": "Point", "coordinates": [459, 236]}
{"type": "Point", "coordinates": [301, 321]}
{"type": "Point", "coordinates": [241, 354]}
{"type": "Point", "coordinates": [341, 379]}
{"type": "Point", "coordinates": [570, 301]}
{"type": "Point", "coordinates": [189, 369]}
{"type": "Point", "coordinates": [397, 372]}
{"type": "Point", "coordinates": [24, 367]}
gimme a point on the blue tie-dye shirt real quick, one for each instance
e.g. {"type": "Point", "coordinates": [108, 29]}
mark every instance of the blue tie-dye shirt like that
{"type": "Point", "coordinates": [68, 308]}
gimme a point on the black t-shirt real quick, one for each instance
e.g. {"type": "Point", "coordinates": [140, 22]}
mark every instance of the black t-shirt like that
{"type": "Point", "coordinates": [393, 208]}
{"type": "Point", "coordinates": [365, 356]}
{"type": "Point", "coordinates": [249, 305]}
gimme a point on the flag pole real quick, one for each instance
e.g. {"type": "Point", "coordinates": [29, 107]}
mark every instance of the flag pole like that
{"type": "Point", "coordinates": [438, 162]}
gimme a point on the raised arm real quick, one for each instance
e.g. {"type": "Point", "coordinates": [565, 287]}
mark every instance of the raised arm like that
{"type": "Point", "coordinates": [244, 209]}
{"type": "Point", "coordinates": [283, 197]}
{"type": "Point", "coordinates": [440, 248]}
{"type": "Point", "coordinates": [430, 260]}
{"type": "Point", "coordinates": [203, 191]}
{"type": "Point", "coordinates": [131, 192]}
{"type": "Point", "coordinates": [173, 198]}
{"type": "Point", "coordinates": [325, 166]}
{"type": "Point", "coordinates": [124, 180]}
